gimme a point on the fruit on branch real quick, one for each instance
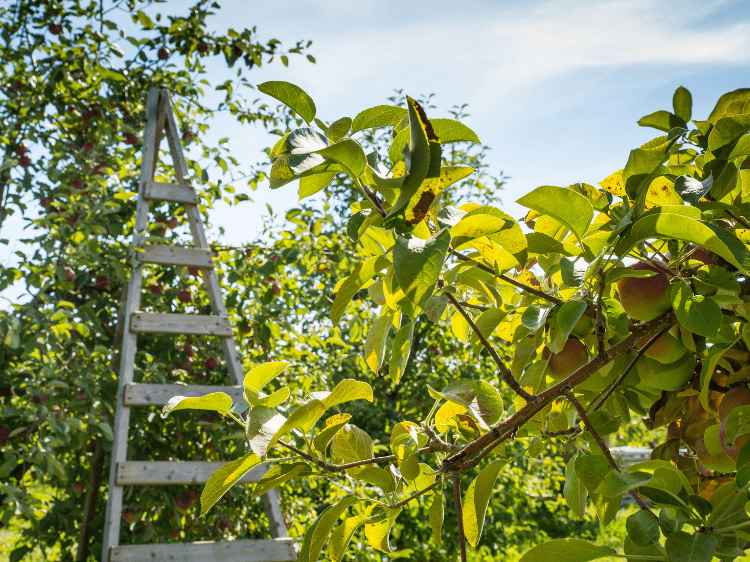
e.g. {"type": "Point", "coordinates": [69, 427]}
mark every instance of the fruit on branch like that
{"type": "Point", "coordinates": [101, 282]}
{"type": "Point", "coordinates": [583, 327]}
{"type": "Point", "coordinates": [163, 53]}
{"type": "Point", "coordinates": [24, 161]}
{"type": "Point", "coordinates": [130, 516]}
{"type": "Point", "coordinates": [667, 349]}
{"type": "Point", "coordinates": [88, 147]}
{"type": "Point", "coordinates": [202, 47]}
{"type": "Point", "coordinates": [669, 376]}
{"type": "Point", "coordinates": [21, 150]}
{"type": "Point", "coordinates": [69, 274]}
{"type": "Point", "coordinates": [156, 289]}
{"type": "Point", "coordinates": [194, 271]}
{"type": "Point", "coordinates": [131, 139]}
{"type": "Point", "coordinates": [735, 398]}
{"type": "Point", "coordinates": [55, 28]}
{"type": "Point", "coordinates": [237, 52]}
{"type": "Point", "coordinates": [78, 486]}
{"type": "Point", "coordinates": [572, 357]}
{"type": "Point", "coordinates": [184, 296]}
{"type": "Point", "coordinates": [211, 363]}
{"type": "Point", "coordinates": [645, 298]}
{"type": "Point", "coordinates": [710, 454]}
{"type": "Point", "coordinates": [700, 254]}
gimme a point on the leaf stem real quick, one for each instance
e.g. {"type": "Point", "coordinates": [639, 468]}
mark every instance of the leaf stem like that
{"type": "Point", "coordinates": [419, 493]}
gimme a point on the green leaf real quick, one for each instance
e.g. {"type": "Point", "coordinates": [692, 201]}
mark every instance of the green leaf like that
{"type": "Point", "coordinates": [738, 423]}
{"type": "Point", "coordinates": [346, 391]}
{"type": "Point", "coordinates": [683, 547]}
{"type": "Point", "coordinates": [592, 470]}
{"type": "Point", "coordinates": [617, 483]}
{"type": "Point", "coordinates": [662, 120]}
{"type": "Point", "coordinates": [378, 116]}
{"type": "Point", "coordinates": [418, 263]}
{"type": "Point", "coordinates": [604, 423]}
{"type": "Point", "coordinates": [700, 315]}
{"type": "Point", "coordinates": [714, 238]}
{"type": "Point", "coordinates": [262, 374]}
{"type": "Point", "coordinates": [375, 341]}
{"type": "Point", "coordinates": [361, 275]}
{"type": "Point", "coordinates": [534, 317]}
{"type": "Point", "coordinates": [643, 529]}
{"type": "Point", "coordinates": [342, 536]}
{"type": "Point", "coordinates": [573, 272]}
{"type": "Point", "coordinates": [661, 496]}
{"type": "Point", "coordinates": [312, 184]}
{"type": "Point", "coordinates": [347, 153]}
{"type": "Point", "coordinates": [355, 222]}
{"type": "Point", "coordinates": [479, 222]}
{"type": "Point", "coordinates": [568, 550]}
{"type": "Point", "coordinates": [567, 316]}
{"type": "Point", "coordinates": [261, 425]}
{"type": "Point", "coordinates": [726, 131]}
{"type": "Point", "coordinates": [400, 351]}
{"type": "Point", "coordinates": [476, 500]}
{"type": "Point", "coordinates": [479, 398]}
{"type": "Point", "coordinates": [277, 475]}
{"type": "Point", "coordinates": [487, 322]}
{"type": "Point", "coordinates": [339, 129]}
{"type": "Point", "coordinates": [310, 551]}
{"type": "Point", "coordinates": [564, 205]}
{"type": "Point", "coordinates": [725, 101]}
{"type": "Point", "coordinates": [330, 428]}
{"type": "Point", "coordinates": [214, 402]}
{"type": "Point", "coordinates": [377, 533]}
{"type": "Point", "coordinates": [303, 418]}
{"type": "Point", "coordinates": [437, 514]}
{"type": "Point", "coordinates": [224, 478]}
{"type": "Point", "coordinates": [351, 444]}
{"type": "Point", "coordinates": [574, 491]}
{"type": "Point", "coordinates": [691, 189]}
{"type": "Point", "coordinates": [682, 103]}
{"type": "Point", "coordinates": [641, 168]}
{"type": "Point", "coordinates": [272, 400]}
{"type": "Point", "coordinates": [377, 476]}
{"type": "Point", "coordinates": [292, 96]}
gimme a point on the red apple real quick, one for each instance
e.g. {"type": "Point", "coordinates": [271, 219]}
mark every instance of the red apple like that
{"type": "Point", "coordinates": [101, 282]}
{"type": "Point", "coordinates": [202, 47]}
{"type": "Point", "coordinates": [55, 28]}
{"type": "Point", "coordinates": [24, 161]}
{"type": "Point", "coordinates": [156, 289]}
{"type": "Point", "coordinates": [645, 298]}
{"type": "Point", "coordinates": [194, 271]}
{"type": "Point", "coordinates": [184, 296]}
{"type": "Point", "coordinates": [173, 223]}
{"type": "Point", "coordinates": [131, 139]}
{"type": "Point", "coordinates": [69, 274]}
{"type": "Point", "coordinates": [211, 363]}
{"type": "Point", "coordinates": [187, 135]}
{"type": "Point", "coordinates": [236, 51]}
{"type": "Point", "coordinates": [21, 150]}
{"type": "Point", "coordinates": [88, 147]}
{"type": "Point", "coordinates": [189, 350]}
{"type": "Point", "coordinates": [163, 53]}
{"type": "Point", "coordinates": [78, 486]}
{"type": "Point", "coordinates": [573, 356]}
{"type": "Point", "coordinates": [130, 516]}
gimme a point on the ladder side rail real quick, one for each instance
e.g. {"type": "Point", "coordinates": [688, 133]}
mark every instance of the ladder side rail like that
{"type": "Point", "coordinates": [127, 360]}
{"type": "Point", "coordinates": [234, 365]}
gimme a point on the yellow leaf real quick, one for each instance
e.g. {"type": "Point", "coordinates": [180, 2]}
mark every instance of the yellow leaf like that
{"type": "Point", "coordinates": [613, 184]}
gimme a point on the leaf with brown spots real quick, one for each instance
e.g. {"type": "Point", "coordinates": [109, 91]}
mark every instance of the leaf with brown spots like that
{"type": "Point", "coordinates": [613, 184]}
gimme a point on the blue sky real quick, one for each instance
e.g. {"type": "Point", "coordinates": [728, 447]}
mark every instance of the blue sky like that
{"type": "Point", "coordinates": [554, 87]}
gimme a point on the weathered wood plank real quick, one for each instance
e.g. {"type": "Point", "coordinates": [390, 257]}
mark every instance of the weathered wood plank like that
{"type": "Point", "coordinates": [196, 324]}
{"type": "Point", "coordinates": [263, 550]}
{"type": "Point", "coordinates": [145, 394]}
{"type": "Point", "coordinates": [171, 192]}
{"type": "Point", "coordinates": [131, 473]}
{"type": "Point", "coordinates": [176, 255]}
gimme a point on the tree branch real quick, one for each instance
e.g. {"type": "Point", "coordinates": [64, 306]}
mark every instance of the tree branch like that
{"type": "Point", "coordinates": [600, 328]}
{"type": "Point", "coordinates": [432, 486]}
{"type": "Point", "coordinates": [602, 445]}
{"type": "Point", "coordinates": [459, 514]}
{"type": "Point", "coordinates": [505, 373]}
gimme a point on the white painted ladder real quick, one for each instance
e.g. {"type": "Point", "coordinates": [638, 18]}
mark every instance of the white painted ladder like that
{"type": "Point", "coordinates": [129, 473]}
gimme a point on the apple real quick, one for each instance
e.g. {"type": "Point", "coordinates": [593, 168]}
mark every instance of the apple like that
{"type": "Point", "coordinates": [573, 356]}
{"type": "Point", "coordinates": [184, 296]}
{"type": "Point", "coordinates": [667, 349]}
{"type": "Point", "coordinates": [24, 161]}
{"type": "Point", "coordinates": [736, 397]}
{"type": "Point", "coordinates": [88, 147]}
{"type": "Point", "coordinates": [101, 282]}
{"type": "Point", "coordinates": [275, 288]}
{"type": "Point", "coordinates": [55, 28]}
{"type": "Point", "coordinates": [4, 433]}
{"type": "Point", "coordinates": [187, 135]}
{"type": "Point", "coordinates": [69, 274]}
{"type": "Point", "coordinates": [583, 327]}
{"type": "Point", "coordinates": [156, 289]}
{"type": "Point", "coordinates": [710, 454]}
{"type": "Point", "coordinates": [189, 350]}
{"type": "Point", "coordinates": [78, 486]}
{"type": "Point", "coordinates": [130, 516]}
{"type": "Point", "coordinates": [21, 150]}
{"type": "Point", "coordinates": [645, 298]}
{"type": "Point", "coordinates": [700, 254]}
{"type": "Point", "coordinates": [194, 271]}
{"type": "Point", "coordinates": [236, 51]}
{"type": "Point", "coordinates": [173, 223]}
{"type": "Point", "coordinates": [211, 363]}
{"type": "Point", "coordinates": [131, 139]}
{"type": "Point", "coordinates": [669, 376]}
{"type": "Point", "coordinates": [202, 47]}
{"type": "Point", "coordinates": [163, 53]}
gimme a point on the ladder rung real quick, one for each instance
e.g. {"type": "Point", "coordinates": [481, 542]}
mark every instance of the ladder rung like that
{"type": "Point", "coordinates": [170, 192]}
{"type": "Point", "coordinates": [196, 324]}
{"type": "Point", "coordinates": [260, 550]}
{"type": "Point", "coordinates": [146, 394]}
{"type": "Point", "coordinates": [175, 472]}
{"type": "Point", "coordinates": [176, 255]}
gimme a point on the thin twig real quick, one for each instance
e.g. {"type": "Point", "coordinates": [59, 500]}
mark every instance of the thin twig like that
{"type": "Point", "coordinates": [742, 221]}
{"type": "Point", "coordinates": [602, 445]}
{"type": "Point", "coordinates": [505, 373]}
{"type": "Point", "coordinates": [438, 444]}
{"type": "Point", "coordinates": [600, 328]}
{"type": "Point", "coordinates": [459, 514]}
{"type": "Point", "coordinates": [419, 493]}
{"type": "Point", "coordinates": [342, 467]}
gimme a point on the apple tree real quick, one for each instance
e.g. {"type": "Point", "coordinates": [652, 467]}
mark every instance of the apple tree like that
{"type": "Point", "coordinates": [603, 305]}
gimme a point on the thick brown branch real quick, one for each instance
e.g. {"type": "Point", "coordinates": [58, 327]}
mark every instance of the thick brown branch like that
{"type": "Point", "coordinates": [505, 373]}
{"type": "Point", "coordinates": [602, 445]}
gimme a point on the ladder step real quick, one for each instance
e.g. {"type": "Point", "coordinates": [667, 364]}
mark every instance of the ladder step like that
{"type": "Point", "coordinates": [260, 550]}
{"type": "Point", "coordinates": [145, 394]}
{"type": "Point", "coordinates": [170, 192]}
{"type": "Point", "coordinates": [176, 255]}
{"type": "Point", "coordinates": [196, 324]}
{"type": "Point", "coordinates": [135, 473]}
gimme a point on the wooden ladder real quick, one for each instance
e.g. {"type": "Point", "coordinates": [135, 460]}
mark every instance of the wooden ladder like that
{"type": "Point", "coordinates": [130, 394]}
